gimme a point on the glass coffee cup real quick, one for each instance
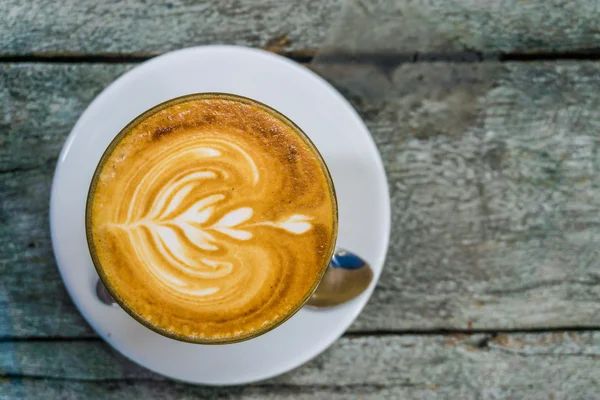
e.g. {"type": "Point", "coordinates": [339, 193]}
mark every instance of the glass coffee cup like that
{"type": "Point", "coordinates": [211, 218]}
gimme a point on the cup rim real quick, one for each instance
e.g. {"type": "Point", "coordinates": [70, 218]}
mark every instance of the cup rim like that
{"type": "Point", "coordinates": [115, 142]}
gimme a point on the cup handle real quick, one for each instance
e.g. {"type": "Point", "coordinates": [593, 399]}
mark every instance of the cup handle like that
{"type": "Point", "coordinates": [104, 295]}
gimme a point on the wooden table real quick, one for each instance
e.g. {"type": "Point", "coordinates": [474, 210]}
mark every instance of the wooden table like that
{"type": "Point", "coordinates": [490, 138]}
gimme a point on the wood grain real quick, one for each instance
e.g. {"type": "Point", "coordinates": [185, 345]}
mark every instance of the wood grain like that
{"type": "Point", "coordinates": [136, 27]}
{"type": "Point", "coordinates": [493, 171]}
{"type": "Point", "coordinates": [41, 388]}
{"type": "Point", "coordinates": [493, 174]}
{"type": "Point", "coordinates": [493, 177]}
{"type": "Point", "coordinates": [424, 28]}
{"type": "Point", "coordinates": [148, 28]}
{"type": "Point", "coordinates": [39, 104]}
{"type": "Point", "coordinates": [544, 365]}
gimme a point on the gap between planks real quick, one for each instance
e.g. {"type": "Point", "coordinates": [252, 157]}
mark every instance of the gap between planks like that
{"type": "Point", "coordinates": [355, 334]}
{"type": "Point", "coordinates": [307, 56]}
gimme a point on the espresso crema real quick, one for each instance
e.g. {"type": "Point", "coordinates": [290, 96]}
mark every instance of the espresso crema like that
{"type": "Point", "coordinates": [211, 218]}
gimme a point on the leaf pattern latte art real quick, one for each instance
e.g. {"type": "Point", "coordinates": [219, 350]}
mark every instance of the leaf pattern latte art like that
{"type": "Point", "coordinates": [183, 227]}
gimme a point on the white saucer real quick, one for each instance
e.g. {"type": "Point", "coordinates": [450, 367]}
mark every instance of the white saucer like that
{"type": "Point", "coordinates": [329, 120]}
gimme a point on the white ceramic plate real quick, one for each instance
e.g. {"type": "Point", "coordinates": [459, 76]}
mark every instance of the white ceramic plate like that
{"type": "Point", "coordinates": [329, 120]}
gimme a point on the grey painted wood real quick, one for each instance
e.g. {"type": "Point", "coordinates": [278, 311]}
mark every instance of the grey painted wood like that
{"type": "Point", "coordinates": [39, 104]}
{"type": "Point", "coordinates": [143, 28]}
{"type": "Point", "coordinates": [494, 185]}
{"type": "Point", "coordinates": [542, 366]}
{"type": "Point", "coordinates": [493, 178]}
{"type": "Point", "coordinates": [49, 389]}
{"type": "Point", "coordinates": [406, 26]}
{"type": "Point", "coordinates": [493, 172]}
{"type": "Point", "coordinates": [442, 26]}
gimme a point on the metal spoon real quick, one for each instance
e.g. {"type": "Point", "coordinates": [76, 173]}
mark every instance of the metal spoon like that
{"type": "Point", "coordinates": [347, 277]}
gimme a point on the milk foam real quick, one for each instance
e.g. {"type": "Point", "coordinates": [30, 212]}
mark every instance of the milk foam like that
{"type": "Point", "coordinates": [213, 219]}
{"type": "Point", "coordinates": [168, 214]}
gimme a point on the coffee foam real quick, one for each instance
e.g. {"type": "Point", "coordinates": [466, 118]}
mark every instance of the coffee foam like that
{"type": "Point", "coordinates": [212, 219]}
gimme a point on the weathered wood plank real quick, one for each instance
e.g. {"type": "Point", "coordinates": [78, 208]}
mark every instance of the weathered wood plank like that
{"type": "Point", "coordinates": [477, 366]}
{"type": "Point", "coordinates": [493, 177]}
{"type": "Point", "coordinates": [404, 26]}
{"type": "Point", "coordinates": [148, 28]}
{"type": "Point", "coordinates": [51, 389]}
{"type": "Point", "coordinates": [32, 296]}
{"type": "Point", "coordinates": [493, 172]}
{"type": "Point", "coordinates": [39, 104]}
{"type": "Point", "coordinates": [442, 26]}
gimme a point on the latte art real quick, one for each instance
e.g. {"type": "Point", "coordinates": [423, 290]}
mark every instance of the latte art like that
{"type": "Point", "coordinates": [212, 219]}
{"type": "Point", "coordinates": [175, 235]}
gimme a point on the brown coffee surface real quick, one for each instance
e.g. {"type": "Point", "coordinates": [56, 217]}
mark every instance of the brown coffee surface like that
{"type": "Point", "coordinates": [212, 219]}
